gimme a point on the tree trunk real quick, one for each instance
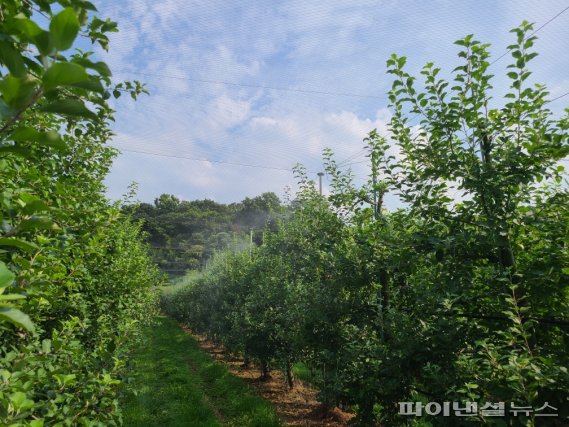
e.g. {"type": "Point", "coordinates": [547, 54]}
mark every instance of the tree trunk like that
{"type": "Point", "coordinates": [265, 375]}
{"type": "Point", "coordinates": [289, 375]}
{"type": "Point", "coordinates": [246, 361]}
{"type": "Point", "coordinates": [384, 282]}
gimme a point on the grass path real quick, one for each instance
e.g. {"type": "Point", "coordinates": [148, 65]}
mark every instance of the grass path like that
{"type": "Point", "coordinates": [177, 384]}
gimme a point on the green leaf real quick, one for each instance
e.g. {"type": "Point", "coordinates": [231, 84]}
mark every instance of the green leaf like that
{"type": "Point", "coordinates": [37, 223]}
{"type": "Point", "coordinates": [17, 92]}
{"type": "Point", "coordinates": [92, 84]}
{"type": "Point", "coordinates": [12, 59]}
{"type": "Point", "coordinates": [11, 297]}
{"type": "Point", "coordinates": [14, 149]}
{"type": "Point", "coordinates": [102, 68]}
{"type": "Point", "coordinates": [16, 317]}
{"type": "Point", "coordinates": [88, 6]}
{"type": "Point", "coordinates": [109, 26]}
{"type": "Point", "coordinates": [20, 402]}
{"type": "Point", "coordinates": [63, 29]}
{"type": "Point", "coordinates": [5, 111]}
{"type": "Point", "coordinates": [6, 276]}
{"type": "Point", "coordinates": [35, 206]}
{"type": "Point", "coordinates": [65, 379]}
{"type": "Point", "coordinates": [26, 26]}
{"type": "Point", "coordinates": [44, 43]}
{"type": "Point", "coordinates": [62, 74]}
{"type": "Point", "coordinates": [17, 398]}
{"type": "Point", "coordinates": [68, 107]}
{"type": "Point", "coordinates": [18, 243]}
{"type": "Point", "coordinates": [29, 134]}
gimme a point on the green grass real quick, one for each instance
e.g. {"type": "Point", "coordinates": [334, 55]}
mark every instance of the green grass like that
{"type": "Point", "coordinates": [303, 372]}
{"type": "Point", "coordinates": [177, 384]}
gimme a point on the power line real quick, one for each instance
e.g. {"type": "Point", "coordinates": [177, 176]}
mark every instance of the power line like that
{"type": "Point", "coordinates": [353, 156]}
{"type": "Point", "coordinates": [342, 163]}
{"type": "Point", "coordinates": [208, 160]}
{"type": "Point", "coordinates": [508, 51]}
{"type": "Point", "coordinates": [357, 163]}
{"type": "Point", "coordinates": [279, 154]}
{"type": "Point", "coordinates": [535, 32]}
{"type": "Point", "coordinates": [292, 90]}
{"type": "Point", "coordinates": [559, 97]}
{"type": "Point", "coordinates": [304, 90]}
{"type": "Point", "coordinates": [284, 89]}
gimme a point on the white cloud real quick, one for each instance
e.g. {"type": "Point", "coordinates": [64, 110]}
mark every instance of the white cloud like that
{"type": "Point", "coordinates": [326, 46]}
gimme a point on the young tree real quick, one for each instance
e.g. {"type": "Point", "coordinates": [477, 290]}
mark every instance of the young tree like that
{"type": "Point", "coordinates": [75, 277]}
{"type": "Point", "coordinates": [499, 276]}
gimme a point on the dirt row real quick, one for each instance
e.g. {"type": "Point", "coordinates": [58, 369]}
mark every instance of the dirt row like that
{"type": "Point", "coordinates": [298, 407]}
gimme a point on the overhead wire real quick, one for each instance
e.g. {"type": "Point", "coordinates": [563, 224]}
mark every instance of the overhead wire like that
{"type": "Point", "coordinates": [281, 152]}
{"type": "Point", "coordinates": [207, 13]}
{"type": "Point", "coordinates": [541, 27]}
{"type": "Point", "coordinates": [353, 156]}
{"type": "Point", "coordinates": [545, 24]}
{"type": "Point", "coordinates": [342, 163]}
{"type": "Point", "coordinates": [175, 149]}
{"type": "Point", "coordinates": [247, 85]}
{"type": "Point", "coordinates": [209, 160]}
{"type": "Point", "coordinates": [558, 97]}
{"type": "Point", "coordinates": [306, 91]}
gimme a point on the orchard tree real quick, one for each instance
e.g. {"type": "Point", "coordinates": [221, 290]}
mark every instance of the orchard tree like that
{"type": "Point", "coordinates": [485, 184]}
{"type": "Point", "coordinates": [75, 278]}
{"type": "Point", "coordinates": [460, 295]}
{"type": "Point", "coordinates": [46, 88]}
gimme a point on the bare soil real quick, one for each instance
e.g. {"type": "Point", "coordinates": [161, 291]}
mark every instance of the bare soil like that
{"type": "Point", "coordinates": [298, 407]}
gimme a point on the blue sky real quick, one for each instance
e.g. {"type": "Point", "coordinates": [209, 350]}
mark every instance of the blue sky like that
{"type": "Point", "coordinates": [189, 51]}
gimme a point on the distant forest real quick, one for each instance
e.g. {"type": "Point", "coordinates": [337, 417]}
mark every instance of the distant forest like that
{"type": "Point", "coordinates": [185, 234]}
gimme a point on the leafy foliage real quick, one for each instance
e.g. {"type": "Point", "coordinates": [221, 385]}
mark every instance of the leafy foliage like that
{"type": "Point", "coordinates": [456, 297]}
{"type": "Point", "coordinates": [185, 234]}
{"type": "Point", "coordinates": [75, 277]}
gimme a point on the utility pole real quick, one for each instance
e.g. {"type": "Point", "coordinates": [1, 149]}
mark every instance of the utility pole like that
{"type": "Point", "coordinates": [250, 243]}
{"type": "Point", "coordinates": [375, 207]}
{"type": "Point", "coordinates": [320, 175]}
{"type": "Point", "coordinates": [382, 291]}
{"type": "Point", "coordinates": [374, 184]}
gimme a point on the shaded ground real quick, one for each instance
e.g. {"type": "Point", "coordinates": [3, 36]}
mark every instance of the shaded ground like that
{"type": "Point", "coordinates": [297, 407]}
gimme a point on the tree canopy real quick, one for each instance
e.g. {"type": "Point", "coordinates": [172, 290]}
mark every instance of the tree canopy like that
{"type": "Point", "coordinates": [76, 279]}
{"type": "Point", "coordinates": [461, 296]}
{"type": "Point", "coordinates": [185, 234]}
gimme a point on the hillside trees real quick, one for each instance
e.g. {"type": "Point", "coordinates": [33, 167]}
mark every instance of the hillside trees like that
{"type": "Point", "coordinates": [74, 274]}
{"type": "Point", "coordinates": [186, 234]}
{"type": "Point", "coordinates": [459, 296]}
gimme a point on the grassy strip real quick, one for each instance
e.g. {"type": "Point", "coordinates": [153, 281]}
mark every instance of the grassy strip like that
{"type": "Point", "coordinates": [177, 384]}
{"type": "Point", "coordinates": [304, 373]}
{"type": "Point", "coordinates": [166, 391]}
{"type": "Point", "coordinates": [236, 401]}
